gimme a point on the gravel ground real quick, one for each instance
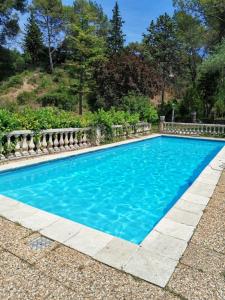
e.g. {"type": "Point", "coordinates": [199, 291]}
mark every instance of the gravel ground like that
{"type": "Point", "coordinates": [59, 272]}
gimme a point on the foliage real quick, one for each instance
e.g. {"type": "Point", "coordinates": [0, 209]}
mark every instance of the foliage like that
{"type": "Point", "coordinates": [14, 81]}
{"type": "Point", "coordinates": [46, 118]}
{"type": "Point", "coordinates": [49, 16]}
{"type": "Point", "coordinates": [122, 74]}
{"type": "Point", "coordinates": [9, 25]}
{"type": "Point", "coordinates": [61, 100]}
{"type": "Point", "coordinates": [11, 62]}
{"type": "Point", "coordinates": [86, 48]}
{"type": "Point", "coordinates": [163, 49]}
{"type": "Point", "coordinates": [139, 104]}
{"type": "Point", "coordinates": [209, 12]}
{"type": "Point", "coordinates": [116, 38]}
{"type": "Point", "coordinates": [26, 97]}
{"type": "Point", "coordinates": [33, 43]}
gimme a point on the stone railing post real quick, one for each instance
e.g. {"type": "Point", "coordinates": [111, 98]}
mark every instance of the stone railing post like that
{"type": "Point", "coordinates": [98, 136]}
{"type": "Point", "coordinates": [161, 124]}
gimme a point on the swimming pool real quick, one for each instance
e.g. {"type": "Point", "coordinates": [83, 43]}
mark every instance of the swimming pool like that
{"type": "Point", "coordinates": [123, 191]}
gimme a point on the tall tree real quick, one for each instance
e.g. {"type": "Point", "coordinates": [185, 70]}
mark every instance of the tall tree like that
{"type": "Point", "coordinates": [116, 38]}
{"type": "Point", "coordinates": [49, 16]}
{"type": "Point", "coordinates": [192, 36]}
{"type": "Point", "coordinates": [163, 49]}
{"type": "Point", "coordinates": [210, 12]}
{"type": "Point", "coordinates": [86, 48]}
{"type": "Point", "coordinates": [9, 26]}
{"type": "Point", "coordinates": [122, 74]}
{"type": "Point", "coordinates": [33, 44]}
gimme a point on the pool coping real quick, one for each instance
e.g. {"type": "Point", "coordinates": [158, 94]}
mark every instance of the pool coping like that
{"type": "Point", "coordinates": [156, 258]}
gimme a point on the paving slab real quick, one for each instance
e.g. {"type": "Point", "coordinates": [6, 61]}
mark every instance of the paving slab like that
{"type": "Point", "coordinates": [61, 230]}
{"type": "Point", "coordinates": [19, 212]}
{"type": "Point", "coordinates": [190, 207]}
{"type": "Point", "coordinates": [202, 189]}
{"type": "Point", "coordinates": [89, 241]}
{"type": "Point", "coordinates": [6, 203]}
{"type": "Point", "coordinates": [164, 245]}
{"type": "Point", "coordinates": [175, 229]}
{"type": "Point", "coordinates": [183, 216]}
{"type": "Point", "coordinates": [39, 220]}
{"type": "Point", "coordinates": [194, 198]}
{"type": "Point", "coordinates": [151, 267]}
{"type": "Point", "coordinates": [116, 253]}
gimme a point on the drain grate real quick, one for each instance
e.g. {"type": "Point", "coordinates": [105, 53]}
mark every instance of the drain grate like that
{"type": "Point", "coordinates": [40, 243]}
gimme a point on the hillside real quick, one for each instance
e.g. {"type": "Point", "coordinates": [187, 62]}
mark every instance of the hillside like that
{"type": "Point", "coordinates": [38, 88]}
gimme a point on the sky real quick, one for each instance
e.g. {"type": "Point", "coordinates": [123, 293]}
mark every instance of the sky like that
{"type": "Point", "coordinates": [137, 15]}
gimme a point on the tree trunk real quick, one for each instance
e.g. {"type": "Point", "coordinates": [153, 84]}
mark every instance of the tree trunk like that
{"type": "Point", "coordinates": [50, 59]}
{"type": "Point", "coordinates": [81, 104]}
{"type": "Point", "coordinates": [81, 92]}
{"type": "Point", "coordinates": [49, 48]}
{"type": "Point", "coordinates": [162, 97]}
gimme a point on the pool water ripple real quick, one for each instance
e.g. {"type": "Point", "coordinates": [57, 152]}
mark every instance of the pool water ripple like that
{"type": "Point", "coordinates": [123, 191]}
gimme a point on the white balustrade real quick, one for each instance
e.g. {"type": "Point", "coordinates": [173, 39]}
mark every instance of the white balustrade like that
{"type": "Point", "coordinates": [26, 143]}
{"type": "Point", "coordinates": [193, 129]}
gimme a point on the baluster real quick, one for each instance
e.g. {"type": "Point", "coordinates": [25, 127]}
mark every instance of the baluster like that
{"type": "Point", "coordinates": [71, 141]}
{"type": "Point", "coordinates": [56, 142]}
{"type": "Point", "coordinates": [24, 145]}
{"type": "Point", "coordinates": [18, 146]}
{"type": "Point", "coordinates": [61, 142]}
{"type": "Point", "coordinates": [2, 156]}
{"type": "Point", "coordinates": [66, 141]}
{"type": "Point", "coordinates": [50, 143]}
{"type": "Point", "coordinates": [9, 147]}
{"type": "Point", "coordinates": [31, 145]}
{"type": "Point", "coordinates": [38, 144]}
{"type": "Point", "coordinates": [76, 140]}
{"type": "Point", "coordinates": [44, 144]}
{"type": "Point", "coordinates": [84, 139]}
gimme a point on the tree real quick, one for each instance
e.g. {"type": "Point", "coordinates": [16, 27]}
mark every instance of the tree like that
{"type": "Point", "coordinates": [9, 26]}
{"type": "Point", "coordinates": [33, 44]}
{"type": "Point", "coordinates": [49, 16]}
{"type": "Point", "coordinates": [192, 36]}
{"type": "Point", "coordinates": [86, 48]}
{"type": "Point", "coordinates": [122, 74]}
{"type": "Point", "coordinates": [210, 12]}
{"type": "Point", "coordinates": [211, 78]}
{"type": "Point", "coordinates": [116, 38]}
{"type": "Point", "coordinates": [163, 49]}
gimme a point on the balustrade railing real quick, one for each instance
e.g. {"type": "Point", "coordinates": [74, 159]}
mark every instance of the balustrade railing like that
{"type": "Point", "coordinates": [129, 131]}
{"type": "Point", "coordinates": [26, 143]}
{"type": "Point", "coordinates": [193, 129]}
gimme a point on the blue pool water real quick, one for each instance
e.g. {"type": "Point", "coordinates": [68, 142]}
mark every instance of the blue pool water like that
{"type": "Point", "coordinates": [123, 191]}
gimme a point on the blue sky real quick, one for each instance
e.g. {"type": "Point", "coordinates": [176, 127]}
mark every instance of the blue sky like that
{"type": "Point", "coordinates": [136, 14]}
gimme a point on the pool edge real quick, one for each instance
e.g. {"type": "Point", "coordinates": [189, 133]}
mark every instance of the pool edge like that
{"type": "Point", "coordinates": [156, 258]}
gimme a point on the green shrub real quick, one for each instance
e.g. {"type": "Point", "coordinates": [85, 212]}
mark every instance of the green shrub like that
{"type": "Point", "coordinates": [62, 101]}
{"type": "Point", "coordinates": [14, 81]}
{"type": "Point", "coordinates": [25, 97]}
{"type": "Point", "coordinates": [133, 103]}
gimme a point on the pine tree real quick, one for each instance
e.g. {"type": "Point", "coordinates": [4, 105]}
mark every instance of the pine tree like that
{"type": "Point", "coordinates": [33, 44]}
{"type": "Point", "coordinates": [116, 38]}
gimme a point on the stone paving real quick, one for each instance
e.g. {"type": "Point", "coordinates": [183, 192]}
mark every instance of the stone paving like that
{"type": "Point", "coordinates": [58, 272]}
